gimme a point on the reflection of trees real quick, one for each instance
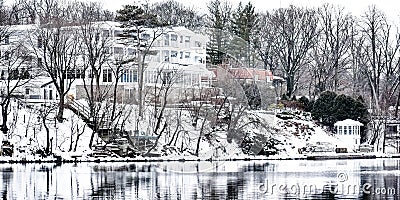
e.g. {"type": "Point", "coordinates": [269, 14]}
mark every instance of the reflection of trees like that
{"type": "Point", "coordinates": [7, 175]}
{"type": "Point", "coordinates": [113, 182]}
{"type": "Point", "coordinates": [146, 181]}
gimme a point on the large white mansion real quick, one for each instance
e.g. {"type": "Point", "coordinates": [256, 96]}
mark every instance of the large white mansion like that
{"type": "Point", "coordinates": [175, 51]}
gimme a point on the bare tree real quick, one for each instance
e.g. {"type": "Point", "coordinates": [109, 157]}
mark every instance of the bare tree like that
{"type": "Point", "coordinates": [56, 45]}
{"type": "Point", "coordinates": [96, 56]}
{"type": "Point", "coordinates": [15, 62]}
{"type": "Point", "coordinates": [44, 112]}
{"type": "Point", "coordinates": [264, 43]}
{"type": "Point", "coordinates": [379, 55]}
{"type": "Point", "coordinates": [295, 33]}
{"type": "Point", "coordinates": [173, 13]}
{"type": "Point", "coordinates": [135, 21]}
{"type": "Point", "coordinates": [331, 53]}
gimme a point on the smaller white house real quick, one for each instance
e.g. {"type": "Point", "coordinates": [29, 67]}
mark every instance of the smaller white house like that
{"type": "Point", "coordinates": [40, 90]}
{"type": "Point", "coordinates": [348, 131]}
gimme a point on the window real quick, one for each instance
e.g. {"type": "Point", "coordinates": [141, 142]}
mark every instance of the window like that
{"type": "Point", "coordinates": [181, 39]}
{"type": "Point", "coordinates": [39, 62]}
{"type": "Point", "coordinates": [75, 74]}
{"type": "Point", "coordinates": [174, 54]}
{"type": "Point", "coordinates": [39, 43]}
{"type": "Point", "coordinates": [350, 130]}
{"type": "Point", "coordinates": [131, 51]}
{"type": "Point", "coordinates": [187, 55]}
{"type": "Point", "coordinates": [106, 50]}
{"type": "Point", "coordinates": [107, 75]}
{"type": "Point", "coordinates": [118, 50]}
{"type": "Point", "coordinates": [129, 93]}
{"type": "Point", "coordinates": [45, 94]}
{"type": "Point", "coordinates": [7, 39]}
{"type": "Point", "coordinates": [106, 33]}
{"type": "Point", "coordinates": [134, 76]}
{"type": "Point", "coordinates": [145, 36]}
{"type": "Point", "coordinates": [129, 76]}
{"type": "Point", "coordinates": [174, 37]}
{"type": "Point", "coordinates": [166, 77]}
{"type": "Point", "coordinates": [34, 96]}
{"type": "Point", "coordinates": [118, 33]}
{"type": "Point", "coordinates": [166, 39]}
{"type": "Point", "coordinates": [198, 44]}
{"type": "Point", "coordinates": [7, 55]}
{"type": "Point", "coordinates": [340, 130]}
{"type": "Point", "coordinates": [344, 130]}
{"type": "Point", "coordinates": [27, 91]}
{"type": "Point", "coordinates": [187, 39]}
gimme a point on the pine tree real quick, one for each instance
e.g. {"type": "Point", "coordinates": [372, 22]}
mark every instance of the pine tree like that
{"type": "Point", "coordinates": [219, 17]}
{"type": "Point", "coordinates": [323, 109]}
{"type": "Point", "coordinates": [135, 20]}
{"type": "Point", "coordinates": [330, 108]}
{"type": "Point", "coordinates": [243, 26]}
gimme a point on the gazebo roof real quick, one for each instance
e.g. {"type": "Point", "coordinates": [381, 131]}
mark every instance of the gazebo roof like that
{"type": "Point", "coordinates": [348, 122]}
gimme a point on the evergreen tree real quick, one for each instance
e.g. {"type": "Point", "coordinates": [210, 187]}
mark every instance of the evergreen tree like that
{"type": "Point", "coordinates": [306, 103]}
{"type": "Point", "coordinates": [322, 109]}
{"type": "Point", "coordinates": [330, 108]}
{"type": "Point", "coordinates": [243, 26]}
{"type": "Point", "coordinates": [252, 94]}
{"type": "Point", "coordinates": [135, 20]}
{"type": "Point", "coordinates": [219, 17]}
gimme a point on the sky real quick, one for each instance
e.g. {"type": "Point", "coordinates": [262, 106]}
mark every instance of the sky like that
{"type": "Point", "coordinates": [357, 7]}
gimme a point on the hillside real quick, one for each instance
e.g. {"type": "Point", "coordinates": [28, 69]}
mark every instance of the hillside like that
{"type": "Point", "coordinates": [257, 133]}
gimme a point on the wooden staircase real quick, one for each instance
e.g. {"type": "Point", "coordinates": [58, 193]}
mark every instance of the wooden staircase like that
{"type": "Point", "coordinates": [121, 142]}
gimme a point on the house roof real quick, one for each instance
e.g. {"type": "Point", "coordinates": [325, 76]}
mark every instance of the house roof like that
{"type": "Point", "coordinates": [193, 69]}
{"type": "Point", "coordinates": [245, 73]}
{"type": "Point", "coordinates": [348, 122]}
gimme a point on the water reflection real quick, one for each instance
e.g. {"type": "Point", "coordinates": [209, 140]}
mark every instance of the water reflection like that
{"type": "Point", "coordinates": [332, 179]}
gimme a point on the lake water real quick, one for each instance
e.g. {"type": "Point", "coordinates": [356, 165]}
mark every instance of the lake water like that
{"type": "Point", "coordinates": [286, 179]}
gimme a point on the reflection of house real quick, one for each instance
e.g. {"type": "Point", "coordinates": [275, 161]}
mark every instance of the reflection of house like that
{"type": "Point", "coordinates": [348, 131]}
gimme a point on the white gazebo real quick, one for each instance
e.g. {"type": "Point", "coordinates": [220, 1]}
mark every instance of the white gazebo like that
{"type": "Point", "coordinates": [348, 131]}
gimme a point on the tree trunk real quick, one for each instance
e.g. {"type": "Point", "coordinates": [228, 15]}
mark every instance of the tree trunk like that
{"type": "Point", "coordinates": [140, 89]}
{"type": "Point", "coordinates": [91, 139]}
{"type": "Point", "coordinates": [60, 114]}
{"type": "Point", "coordinates": [290, 86]}
{"type": "Point", "coordinates": [78, 135]}
{"type": "Point", "coordinates": [200, 136]}
{"type": "Point", "coordinates": [4, 127]}
{"type": "Point", "coordinates": [47, 135]}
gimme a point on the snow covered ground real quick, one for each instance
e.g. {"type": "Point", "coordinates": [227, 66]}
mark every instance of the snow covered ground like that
{"type": "Point", "coordinates": [28, 135]}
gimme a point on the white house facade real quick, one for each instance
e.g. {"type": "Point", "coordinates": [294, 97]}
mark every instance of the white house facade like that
{"type": "Point", "coordinates": [348, 131]}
